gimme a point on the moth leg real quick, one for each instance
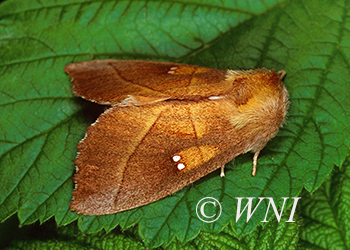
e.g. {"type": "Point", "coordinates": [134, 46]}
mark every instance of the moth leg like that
{"type": "Point", "coordinates": [255, 162]}
{"type": "Point", "coordinates": [222, 173]}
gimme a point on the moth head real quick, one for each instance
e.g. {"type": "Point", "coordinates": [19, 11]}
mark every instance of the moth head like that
{"type": "Point", "coordinates": [261, 98]}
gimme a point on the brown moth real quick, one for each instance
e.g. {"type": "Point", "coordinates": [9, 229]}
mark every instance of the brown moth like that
{"type": "Point", "coordinates": [169, 124]}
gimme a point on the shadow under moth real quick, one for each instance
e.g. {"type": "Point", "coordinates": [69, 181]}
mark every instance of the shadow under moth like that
{"type": "Point", "coordinates": [169, 124]}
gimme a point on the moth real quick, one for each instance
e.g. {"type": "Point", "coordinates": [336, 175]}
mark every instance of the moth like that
{"type": "Point", "coordinates": [169, 124]}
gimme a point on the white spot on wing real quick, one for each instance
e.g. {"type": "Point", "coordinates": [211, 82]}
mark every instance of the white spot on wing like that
{"type": "Point", "coordinates": [214, 97]}
{"type": "Point", "coordinates": [171, 71]}
{"type": "Point", "coordinates": [180, 166]}
{"type": "Point", "coordinates": [176, 158]}
{"type": "Point", "coordinates": [128, 101]}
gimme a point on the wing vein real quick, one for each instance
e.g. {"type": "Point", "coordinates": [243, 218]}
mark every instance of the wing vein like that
{"type": "Point", "coordinates": [133, 152]}
{"type": "Point", "coordinates": [126, 80]}
{"type": "Point", "coordinates": [195, 135]}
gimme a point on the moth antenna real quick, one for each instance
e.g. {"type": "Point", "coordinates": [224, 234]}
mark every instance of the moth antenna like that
{"type": "Point", "coordinates": [281, 74]}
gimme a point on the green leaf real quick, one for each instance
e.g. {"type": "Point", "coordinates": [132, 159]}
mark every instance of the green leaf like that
{"type": "Point", "coordinates": [326, 223]}
{"type": "Point", "coordinates": [70, 238]}
{"type": "Point", "coordinates": [41, 121]}
{"type": "Point", "coordinates": [275, 235]}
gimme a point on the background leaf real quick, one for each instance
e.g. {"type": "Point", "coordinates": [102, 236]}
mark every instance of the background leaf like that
{"type": "Point", "coordinates": [286, 237]}
{"type": "Point", "coordinates": [326, 214]}
{"type": "Point", "coordinates": [41, 121]}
